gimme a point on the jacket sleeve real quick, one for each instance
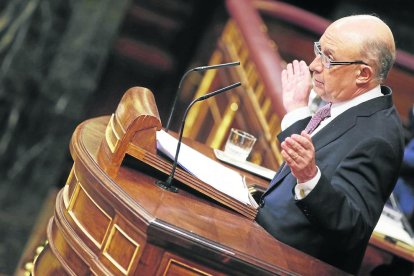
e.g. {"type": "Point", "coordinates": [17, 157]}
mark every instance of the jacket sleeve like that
{"type": "Point", "coordinates": [346, 204]}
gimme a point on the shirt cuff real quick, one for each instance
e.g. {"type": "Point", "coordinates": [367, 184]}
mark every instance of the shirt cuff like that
{"type": "Point", "coordinates": [303, 189]}
{"type": "Point", "coordinates": [294, 116]}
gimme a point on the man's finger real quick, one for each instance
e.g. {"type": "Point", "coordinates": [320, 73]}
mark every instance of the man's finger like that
{"type": "Point", "coordinates": [296, 67]}
{"type": "Point", "coordinates": [284, 77]}
{"type": "Point", "coordinates": [294, 145]}
{"type": "Point", "coordinates": [304, 141]}
{"type": "Point", "coordinates": [289, 70]}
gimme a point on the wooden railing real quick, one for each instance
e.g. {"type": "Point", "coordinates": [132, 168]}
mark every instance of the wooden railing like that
{"type": "Point", "coordinates": [256, 107]}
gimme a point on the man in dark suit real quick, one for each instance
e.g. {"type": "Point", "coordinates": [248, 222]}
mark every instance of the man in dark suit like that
{"type": "Point", "coordinates": [327, 197]}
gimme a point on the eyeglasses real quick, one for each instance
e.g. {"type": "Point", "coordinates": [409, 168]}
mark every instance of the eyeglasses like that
{"type": "Point", "coordinates": [327, 62]}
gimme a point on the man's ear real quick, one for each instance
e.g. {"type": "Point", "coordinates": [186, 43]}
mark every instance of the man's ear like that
{"type": "Point", "coordinates": [364, 74]}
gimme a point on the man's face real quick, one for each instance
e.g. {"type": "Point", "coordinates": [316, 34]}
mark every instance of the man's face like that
{"type": "Point", "coordinates": [338, 83]}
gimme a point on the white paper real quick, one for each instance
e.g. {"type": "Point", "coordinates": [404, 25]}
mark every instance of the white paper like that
{"type": "Point", "coordinates": [204, 168]}
{"type": "Point", "coordinates": [390, 225]}
{"type": "Point", "coordinates": [245, 165]}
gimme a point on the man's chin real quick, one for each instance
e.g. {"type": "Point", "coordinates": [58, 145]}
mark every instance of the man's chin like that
{"type": "Point", "coordinates": [319, 91]}
{"type": "Point", "coordinates": [321, 94]}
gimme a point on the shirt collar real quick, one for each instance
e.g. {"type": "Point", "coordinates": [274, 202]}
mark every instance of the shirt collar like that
{"type": "Point", "coordinates": [338, 108]}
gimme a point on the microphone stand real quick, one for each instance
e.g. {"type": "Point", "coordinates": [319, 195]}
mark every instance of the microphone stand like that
{"type": "Point", "coordinates": [196, 69]}
{"type": "Point", "coordinates": [167, 185]}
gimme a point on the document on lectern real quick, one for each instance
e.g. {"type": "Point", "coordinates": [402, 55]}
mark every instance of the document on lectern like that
{"type": "Point", "coordinates": [204, 168]}
{"type": "Point", "coordinates": [391, 227]}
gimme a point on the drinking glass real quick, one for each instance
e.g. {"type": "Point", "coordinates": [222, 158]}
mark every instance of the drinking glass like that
{"type": "Point", "coordinates": [239, 144]}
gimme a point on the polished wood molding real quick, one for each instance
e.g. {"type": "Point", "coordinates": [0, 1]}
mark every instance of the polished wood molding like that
{"type": "Point", "coordinates": [134, 122]}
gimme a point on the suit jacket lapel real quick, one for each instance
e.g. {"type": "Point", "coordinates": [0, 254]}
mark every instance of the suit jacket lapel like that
{"type": "Point", "coordinates": [347, 120]}
{"type": "Point", "coordinates": [322, 138]}
{"type": "Point", "coordinates": [338, 127]}
{"type": "Point", "coordinates": [332, 131]}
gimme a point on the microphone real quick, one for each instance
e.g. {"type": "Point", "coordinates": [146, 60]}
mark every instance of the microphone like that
{"type": "Point", "coordinates": [196, 69]}
{"type": "Point", "coordinates": [167, 184]}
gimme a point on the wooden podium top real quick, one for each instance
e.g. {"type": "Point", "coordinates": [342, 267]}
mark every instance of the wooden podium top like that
{"type": "Point", "coordinates": [185, 223]}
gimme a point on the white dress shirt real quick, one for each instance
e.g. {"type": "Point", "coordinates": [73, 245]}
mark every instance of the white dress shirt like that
{"type": "Point", "coordinates": [303, 189]}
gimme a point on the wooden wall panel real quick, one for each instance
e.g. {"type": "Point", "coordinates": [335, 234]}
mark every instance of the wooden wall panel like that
{"type": "Point", "coordinates": [89, 216]}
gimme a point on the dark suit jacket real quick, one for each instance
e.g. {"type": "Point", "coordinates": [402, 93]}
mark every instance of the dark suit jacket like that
{"type": "Point", "coordinates": [359, 155]}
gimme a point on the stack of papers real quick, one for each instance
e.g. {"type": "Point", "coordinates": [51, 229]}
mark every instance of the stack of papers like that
{"type": "Point", "coordinates": [204, 168]}
{"type": "Point", "coordinates": [245, 165]}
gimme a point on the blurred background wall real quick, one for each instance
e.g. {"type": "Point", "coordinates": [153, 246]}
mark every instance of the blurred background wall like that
{"type": "Point", "coordinates": [63, 61]}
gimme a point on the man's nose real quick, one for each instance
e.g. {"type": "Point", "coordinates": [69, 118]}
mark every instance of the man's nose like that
{"type": "Point", "coordinates": [316, 64]}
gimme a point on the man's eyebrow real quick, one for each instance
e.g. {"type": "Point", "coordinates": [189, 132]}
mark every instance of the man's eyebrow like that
{"type": "Point", "coordinates": [328, 50]}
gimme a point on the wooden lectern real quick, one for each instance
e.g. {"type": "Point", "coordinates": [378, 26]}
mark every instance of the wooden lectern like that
{"type": "Point", "coordinates": [111, 219]}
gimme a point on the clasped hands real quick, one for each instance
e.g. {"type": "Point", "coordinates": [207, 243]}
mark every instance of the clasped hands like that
{"type": "Point", "coordinates": [298, 150]}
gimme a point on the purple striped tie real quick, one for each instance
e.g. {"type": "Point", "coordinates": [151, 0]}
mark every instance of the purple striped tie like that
{"type": "Point", "coordinates": [321, 114]}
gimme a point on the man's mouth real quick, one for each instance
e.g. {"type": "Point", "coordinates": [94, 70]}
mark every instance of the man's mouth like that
{"type": "Point", "coordinates": [317, 83]}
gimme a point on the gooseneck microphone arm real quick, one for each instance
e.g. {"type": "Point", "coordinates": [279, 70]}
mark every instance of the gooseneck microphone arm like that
{"type": "Point", "coordinates": [196, 69]}
{"type": "Point", "coordinates": [216, 66]}
{"type": "Point", "coordinates": [167, 184]}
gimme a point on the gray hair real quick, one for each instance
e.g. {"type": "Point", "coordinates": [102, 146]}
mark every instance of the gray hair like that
{"type": "Point", "coordinates": [379, 53]}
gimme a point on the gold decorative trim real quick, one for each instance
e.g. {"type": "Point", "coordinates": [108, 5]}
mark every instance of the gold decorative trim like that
{"type": "Point", "coordinates": [118, 128]}
{"type": "Point", "coordinates": [218, 134]}
{"type": "Point", "coordinates": [29, 266]}
{"type": "Point", "coordinates": [114, 228]}
{"type": "Point", "coordinates": [70, 177]}
{"type": "Point", "coordinates": [78, 223]}
{"type": "Point", "coordinates": [170, 261]}
{"type": "Point", "coordinates": [66, 196]}
{"type": "Point", "coordinates": [110, 135]}
{"type": "Point", "coordinates": [74, 196]}
{"type": "Point", "coordinates": [70, 181]}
